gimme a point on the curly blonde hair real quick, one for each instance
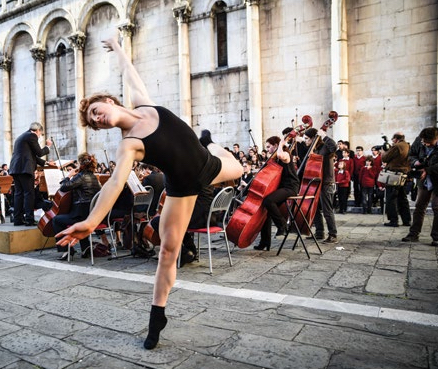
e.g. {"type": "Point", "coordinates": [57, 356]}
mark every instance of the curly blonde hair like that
{"type": "Point", "coordinates": [85, 104]}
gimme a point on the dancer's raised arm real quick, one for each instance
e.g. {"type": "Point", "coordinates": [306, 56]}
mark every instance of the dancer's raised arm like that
{"type": "Point", "coordinates": [137, 89]}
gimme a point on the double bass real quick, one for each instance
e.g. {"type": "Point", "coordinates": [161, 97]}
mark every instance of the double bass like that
{"type": "Point", "coordinates": [61, 205]}
{"type": "Point", "coordinates": [312, 166]}
{"type": "Point", "coordinates": [247, 220]}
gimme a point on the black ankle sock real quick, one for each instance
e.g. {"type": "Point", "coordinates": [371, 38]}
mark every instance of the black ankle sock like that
{"type": "Point", "coordinates": [205, 138]}
{"type": "Point", "coordinates": [157, 322]}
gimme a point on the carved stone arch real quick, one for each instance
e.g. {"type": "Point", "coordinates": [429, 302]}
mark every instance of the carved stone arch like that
{"type": "Point", "coordinates": [48, 21]}
{"type": "Point", "coordinates": [211, 3]}
{"type": "Point", "coordinates": [62, 41]}
{"type": "Point", "coordinates": [89, 6]}
{"type": "Point", "coordinates": [131, 6]}
{"type": "Point", "coordinates": [18, 28]}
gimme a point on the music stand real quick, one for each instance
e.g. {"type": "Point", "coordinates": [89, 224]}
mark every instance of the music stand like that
{"type": "Point", "coordinates": [294, 208]}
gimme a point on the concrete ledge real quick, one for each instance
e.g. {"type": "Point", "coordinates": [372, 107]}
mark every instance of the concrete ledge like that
{"type": "Point", "coordinates": [14, 240]}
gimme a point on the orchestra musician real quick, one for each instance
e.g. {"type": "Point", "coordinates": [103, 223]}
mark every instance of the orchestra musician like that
{"type": "Point", "coordinates": [154, 135]}
{"type": "Point", "coordinates": [84, 185]}
{"type": "Point", "coordinates": [25, 157]}
{"type": "Point", "coordinates": [289, 186]}
{"type": "Point", "coordinates": [326, 147]}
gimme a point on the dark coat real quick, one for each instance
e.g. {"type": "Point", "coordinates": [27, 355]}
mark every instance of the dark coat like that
{"type": "Point", "coordinates": [27, 154]}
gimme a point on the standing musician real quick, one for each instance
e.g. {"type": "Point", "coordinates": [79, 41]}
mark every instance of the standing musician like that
{"type": "Point", "coordinates": [154, 135]}
{"type": "Point", "coordinates": [84, 185]}
{"type": "Point", "coordinates": [327, 148]}
{"type": "Point", "coordinates": [289, 186]}
{"type": "Point", "coordinates": [27, 154]}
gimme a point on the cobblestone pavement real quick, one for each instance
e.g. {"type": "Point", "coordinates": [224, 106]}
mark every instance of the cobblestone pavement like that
{"type": "Point", "coordinates": [369, 301]}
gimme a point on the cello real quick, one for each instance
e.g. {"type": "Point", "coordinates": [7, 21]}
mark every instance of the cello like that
{"type": "Point", "coordinates": [247, 220]}
{"type": "Point", "coordinates": [312, 165]}
{"type": "Point", "coordinates": [61, 205]}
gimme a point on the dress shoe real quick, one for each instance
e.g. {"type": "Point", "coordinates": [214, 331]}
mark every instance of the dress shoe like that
{"type": "Point", "coordinates": [16, 224]}
{"type": "Point", "coordinates": [64, 256]}
{"type": "Point", "coordinates": [407, 224]}
{"type": "Point", "coordinates": [262, 247]}
{"type": "Point", "coordinates": [30, 223]}
{"type": "Point", "coordinates": [280, 232]}
{"type": "Point", "coordinates": [317, 236]}
{"type": "Point", "coordinates": [331, 239]}
{"type": "Point", "coordinates": [390, 224]}
{"type": "Point", "coordinates": [86, 253]}
{"type": "Point", "coordinates": [410, 238]}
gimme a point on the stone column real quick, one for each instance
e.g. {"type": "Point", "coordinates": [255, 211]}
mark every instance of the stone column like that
{"type": "Point", "coordinates": [39, 55]}
{"type": "Point", "coordinates": [254, 70]}
{"type": "Point", "coordinates": [4, 6]}
{"type": "Point", "coordinates": [127, 29]}
{"type": "Point", "coordinates": [181, 13]}
{"type": "Point", "coordinates": [339, 59]}
{"type": "Point", "coordinates": [77, 41]}
{"type": "Point", "coordinates": [5, 65]}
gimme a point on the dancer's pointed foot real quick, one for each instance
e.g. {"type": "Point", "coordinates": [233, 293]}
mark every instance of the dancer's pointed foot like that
{"type": "Point", "coordinates": [157, 322]}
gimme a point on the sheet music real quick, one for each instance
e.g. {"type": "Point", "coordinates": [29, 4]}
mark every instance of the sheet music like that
{"type": "Point", "coordinates": [53, 177]}
{"type": "Point", "coordinates": [134, 183]}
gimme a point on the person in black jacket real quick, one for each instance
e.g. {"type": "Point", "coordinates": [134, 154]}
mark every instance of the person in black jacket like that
{"type": "Point", "coordinates": [25, 157]}
{"type": "Point", "coordinates": [423, 157]}
{"type": "Point", "coordinates": [84, 185]}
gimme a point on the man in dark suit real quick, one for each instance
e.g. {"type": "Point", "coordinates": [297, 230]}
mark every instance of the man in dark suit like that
{"type": "Point", "coordinates": [27, 154]}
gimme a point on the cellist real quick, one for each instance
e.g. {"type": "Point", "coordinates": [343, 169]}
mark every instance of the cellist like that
{"type": "Point", "coordinates": [289, 186]}
{"type": "Point", "coordinates": [327, 148]}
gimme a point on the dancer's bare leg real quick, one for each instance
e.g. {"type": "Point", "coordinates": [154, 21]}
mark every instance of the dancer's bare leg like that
{"type": "Point", "coordinates": [174, 221]}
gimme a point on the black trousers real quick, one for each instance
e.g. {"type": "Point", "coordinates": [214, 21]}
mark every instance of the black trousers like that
{"type": "Point", "coordinates": [397, 203]}
{"type": "Point", "coordinates": [62, 221]}
{"type": "Point", "coordinates": [272, 203]}
{"type": "Point", "coordinates": [24, 197]}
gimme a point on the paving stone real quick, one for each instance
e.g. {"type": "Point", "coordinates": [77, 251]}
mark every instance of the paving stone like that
{"type": "Point", "coordinates": [269, 323]}
{"type": "Point", "coordinates": [129, 347]}
{"type": "Point", "coordinates": [197, 360]}
{"type": "Point", "coordinates": [387, 282]}
{"type": "Point", "coordinates": [96, 313]}
{"type": "Point", "coordinates": [394, 257]}
{"type": "Point", "coordinates": [114, 298]}
{"type": "Point", "coordinates": [41, 350]}
{"type": "Point", "coordinates": [199, 335]}
{"type": "Point", "coordinates": [98, 360]}
{"type": "Point", "coordinates": [361, 343]}
{"type": "Point", "coordinates": [423, 279]}
{"type": "Point", "coordinates": [6, 358]}
{"type": "Point", "coordinates": [274, 353]}
{"type": "Point", "coordinates": [8, 310]}
{"type": "Point", "coordinates": [24, 296]}
{"type": "Point", "coordinates": [307, 283]}
{"type": "Point", "coordinates": [122, 286]}
{"type": "Point", "coordinates": [423, 264]}
{"type": "Point", "coordinates": [341, 360]}
{"type": "Point", "coordinates": [349, 276]}
{"type": "Point", "coordinates": [52, 325]}
{"type": "Point", "coordinates": [6, 328]}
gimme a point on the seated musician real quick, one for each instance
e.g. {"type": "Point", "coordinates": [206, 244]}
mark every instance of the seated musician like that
{"type": "Point", "coordinates": [84, 185]}
{"type": "Point", "coordinates": [245, 179]}
{"type": "Point", "coordinates": [199, 218]}
{"type": "Point", "coordinates": [289, 186]}
{"type": "Point", "coordinates": [155, 178]}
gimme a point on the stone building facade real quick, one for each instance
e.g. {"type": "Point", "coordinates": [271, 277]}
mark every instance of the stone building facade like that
{"type": "Point", "coordinates": [232, 66]}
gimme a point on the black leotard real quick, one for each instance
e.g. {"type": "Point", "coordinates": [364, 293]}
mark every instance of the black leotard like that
{"type": "Point", "coordinates": [174, 148]}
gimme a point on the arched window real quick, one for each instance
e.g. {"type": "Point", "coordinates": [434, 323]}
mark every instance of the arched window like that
{"type": "Point", "coordinates": [61, 70]}
{"type": "Point", "coordinates": [221, 33]}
